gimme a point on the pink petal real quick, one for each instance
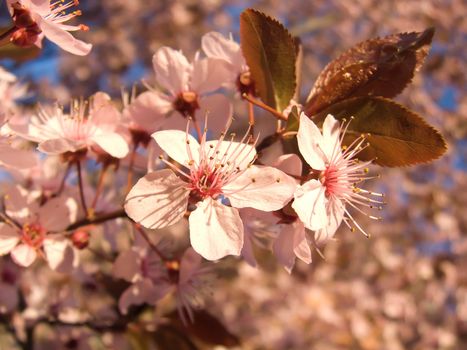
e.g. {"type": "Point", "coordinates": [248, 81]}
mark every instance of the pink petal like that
{"type": "Point", "coordinates": [209, 74]}
{"type": "Point", "coordinates": [174, 143]}
{"type": "Point", "coordinates": [172, 69]}
{"type": "Point", "coordinates": [218, 109]}
{"type": "Point", "coordinates": [9, 238]}
{"type": "Point", "coordinates": [16, 158]}
{"type": "Point", "coordinates": [23, 255]}
{"type": "Point", "coordinates": [60, 146]}
{"type": "Point", "coordinates": [57, 213]}
{"type": "Point", "coordinates": [310, 204]}
{"type": "Point", "coordinates": [127, 266]}
{"type": "Point", "coordinates": [20, 203]}
{"type": "Point", "coordinates": [215, 45]}
{"type": "Point", "coordinates": [148, 110]}
{"type": "Point", "coordinates": [216, 230]}
{"type": "Point", "coordinates": [292, 243]}
{"type": "Point", "coordinates": [112, 143]}
{"type": "Point", "coordinates": [309, 140]}
{"type": "Point", "coordinates": [290, 164]}
{"type": "Point", "coordinates": [42, 7]}
{"type": "Point", "coordinates": [261, 187]}
{"type": "Point", "coordinates": [62, 38]}
{"type": "Point", "coordinates": [157, 200]}
{"type": "Point", "coordinates": [247, 250]}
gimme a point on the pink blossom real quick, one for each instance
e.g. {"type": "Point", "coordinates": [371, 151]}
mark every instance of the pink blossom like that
{"type": "Point", "coordinates": [29, 233]}
{"type": "Point", "coordinates": [35, 19]}
{"type": "Point", "coordinates": [321, 204]}
{"type": "Point", "coordinates": [215, 45]}
{"type": "Point", "coordinates": [189, 91]}
{"type": "Point", "coordinates": [153, 278]}
{"type": "Point", "coordinates": [83, 127]}
{"type": "Point", "coordinates": [216, 170]}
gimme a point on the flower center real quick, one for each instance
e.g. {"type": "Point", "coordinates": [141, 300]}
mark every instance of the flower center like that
{"type": "Point", "coordinates": [205, 182]}
{"type": "Point", "coordinates": [245, 84]}
{"type": "Point", "coordinates": [330, 180]}
{"type": "Point", "coordinates": [33, 235]}
{"type": "Point", "coordinates": [186, 103]}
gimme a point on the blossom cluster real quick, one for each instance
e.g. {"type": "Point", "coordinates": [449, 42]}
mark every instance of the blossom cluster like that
{"type": "Point", "coordinates": [184, 175]}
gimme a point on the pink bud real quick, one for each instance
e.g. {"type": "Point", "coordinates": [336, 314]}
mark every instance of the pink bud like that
{"type": "Point", "coordinates": [80, 239]}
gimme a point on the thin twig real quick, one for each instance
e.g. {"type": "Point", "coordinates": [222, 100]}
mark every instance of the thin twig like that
{"type": "Point", "coordinates": [149, 242]}
{"type": "Point", "coordinates": [97, 219]}
{"type": "Point", "coordinates": [100, 183]}
{"type": "Point", "coordinates": [265, 107]}
{"type": "Point", "coordinates": [81, 189]}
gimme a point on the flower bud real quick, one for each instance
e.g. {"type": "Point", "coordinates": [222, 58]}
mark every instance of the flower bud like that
{"type": "Point", "coordinates": [80, 239]}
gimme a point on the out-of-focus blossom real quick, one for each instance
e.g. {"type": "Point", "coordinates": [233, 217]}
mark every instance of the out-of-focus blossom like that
{"type": "Point", "coordinates": [216, 171]}
{"type": "Point", "coordinates": [189, 91]}
{"type": "Point", "coordinates": [9, 275]}
{"type": "Point", "coordinates": [321, 204]}
{"type": "Point", "coordinates": [35, 228]}
{"type": "Point", "coordinates": [36, 19]}
{"type": "Point", "coordinates": [153, 278]}
{"type": "Point", "coordinates": [57, 132]}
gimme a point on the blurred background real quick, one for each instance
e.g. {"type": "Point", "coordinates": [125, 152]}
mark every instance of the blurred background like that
{"type": "Point", "coordinates": [406, 286]}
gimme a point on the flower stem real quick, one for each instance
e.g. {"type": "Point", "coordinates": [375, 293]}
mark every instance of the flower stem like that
{"type": "Point", "coordinates": [7, 34]}
{"type": "Point", "coordinates": [81, 189]}
{"type": "Point", "coordinates": [62, 183]}
{"type": "Point", "coordinates": [100, 182]}
{"type": "Point", "coordinates": [264, 106]}
{"type": "Point", "coordinates": [149, 242]}
{"type": "Point", "coordinates": [129, 181]}
{"type": "Point", "coordinates": [251, 119]}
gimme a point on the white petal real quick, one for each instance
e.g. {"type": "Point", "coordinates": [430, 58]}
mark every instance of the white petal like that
{"type": "Point", "coordinates": [57, 213]}
{"type": "Point", "coordinates": [112, 143]}
{"type": "Point", "coordinates": [216, 230]}
{"type": "Point", "coordinates": [157, 200]}
{"type": "Point", "coordinates": [55, 249]}
{"type": "Point", "coordinates": [331, 144]}
{"type": "Point", "coordinates": [335, 214]}
{"type": "Point", "coordinates": [9, 238]}
{"type": "Point", "coordinates": [23, 255]}
{"type": "Point", "coordinates": [261, 187]}
{"type": "Point", "coordinates": [172, 69]}
{"type": "Point", "coordinates": [310, 204]}
{"type": "Point", "coordinates": [309, 140]}
{"type": "Point", "coordinates": [179, 145]}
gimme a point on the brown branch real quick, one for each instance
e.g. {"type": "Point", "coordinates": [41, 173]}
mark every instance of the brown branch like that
{"type": "Point", "coordinates": [98, 219]}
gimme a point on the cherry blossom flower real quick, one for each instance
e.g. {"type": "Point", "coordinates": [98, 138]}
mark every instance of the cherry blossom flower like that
{"type": "Point", "coordinates": [216, 171]}
{"type": "Point", "coordinates": [57, 132]}
{"type": "Point", "coordinates": [215, 45]}
{"type": "Point", "coordinates": [153, 278]}
{"type": "Point", "coordinates": [28, 235]}
{"type": "Point", "coordinates": [36, 19]}
{"type": "Point", "coordinates": [189, 89]}
{"type": "Point", "coordinates": [321, 204]}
